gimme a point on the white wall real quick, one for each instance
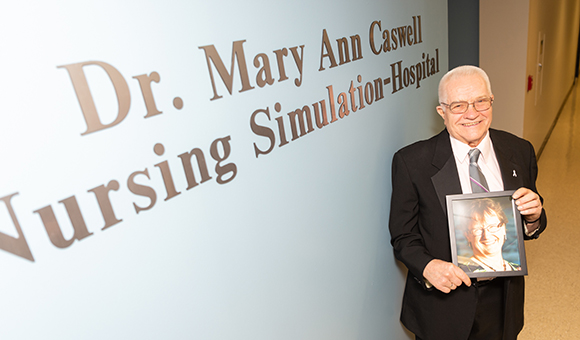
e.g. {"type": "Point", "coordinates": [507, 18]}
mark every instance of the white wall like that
{"type": "Point", "coordinates": [287, 244]}
{"type": "Point", "coordinates": [557, 24]}
{"type": "Point", "coordinates": [503, 32]}
{"type": "Point", "coordinates": [510, 35]}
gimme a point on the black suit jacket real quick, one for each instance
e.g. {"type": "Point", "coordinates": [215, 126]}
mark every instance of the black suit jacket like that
{"type": "Point", "coordinates": [423, 174]}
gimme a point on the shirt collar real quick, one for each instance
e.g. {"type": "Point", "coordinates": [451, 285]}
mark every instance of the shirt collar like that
{"type": "Point", "coordinates": [461, 150]}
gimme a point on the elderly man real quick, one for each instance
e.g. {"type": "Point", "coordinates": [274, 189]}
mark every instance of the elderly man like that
{"type": "Point", "coordinates": [440, 300]}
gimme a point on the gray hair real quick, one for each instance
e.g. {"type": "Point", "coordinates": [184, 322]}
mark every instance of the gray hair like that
{"type": "Point", "coordinates": [459, 72]}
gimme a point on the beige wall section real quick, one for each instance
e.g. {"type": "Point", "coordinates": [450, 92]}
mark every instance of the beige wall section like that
{"type": "Point", "coordinates": [557, 23]}
{"type": "Point", "coordinates": [503, 38]}
{"type": "Point", "coordinates": [509, 40]}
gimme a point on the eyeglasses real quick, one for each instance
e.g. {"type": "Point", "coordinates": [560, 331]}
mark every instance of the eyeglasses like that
{"type": "Point", "coordinates": [490, 229]}
{"type": "Point", "coordinates": [479, 105]}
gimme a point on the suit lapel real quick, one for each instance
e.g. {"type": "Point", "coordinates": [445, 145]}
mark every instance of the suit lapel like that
{"type": "Point", "coordinates": [446, 180]}
{"type": "Point", "coordinates": [509, 168]}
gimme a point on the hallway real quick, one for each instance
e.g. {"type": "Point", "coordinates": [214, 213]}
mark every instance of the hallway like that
{"type": "Point", "coordinates": [552, 308]}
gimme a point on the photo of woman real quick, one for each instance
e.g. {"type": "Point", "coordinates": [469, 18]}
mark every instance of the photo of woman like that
{"type": "Point", "coordinates": [486, 237]}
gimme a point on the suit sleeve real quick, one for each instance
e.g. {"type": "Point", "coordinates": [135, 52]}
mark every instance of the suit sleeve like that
{"type": "Point", "coordinates": [533, 177]}
{"type": "Point", "coordinates": [406, 237]}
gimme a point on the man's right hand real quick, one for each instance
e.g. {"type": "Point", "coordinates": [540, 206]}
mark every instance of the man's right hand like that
{"type": "Point", "coordinates": [445, 276]}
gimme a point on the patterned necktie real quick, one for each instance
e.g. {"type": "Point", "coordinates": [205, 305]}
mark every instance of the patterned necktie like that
{"type": "Point", "coordinates": [476, 177]}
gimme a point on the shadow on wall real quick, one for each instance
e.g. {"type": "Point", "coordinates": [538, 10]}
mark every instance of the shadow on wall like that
{"type": "Point", "coordinates": [436, 123]}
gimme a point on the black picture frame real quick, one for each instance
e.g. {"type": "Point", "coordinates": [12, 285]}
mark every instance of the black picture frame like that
{"type": "Point", "coordinates": [467, 248]}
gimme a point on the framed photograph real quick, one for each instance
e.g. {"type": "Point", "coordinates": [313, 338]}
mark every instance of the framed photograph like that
{"type": "Point", "coordinates": [486, 234]}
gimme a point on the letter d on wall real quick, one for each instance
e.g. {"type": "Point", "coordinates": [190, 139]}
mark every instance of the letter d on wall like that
{"type": "Point", "coordinates": [79, 81]}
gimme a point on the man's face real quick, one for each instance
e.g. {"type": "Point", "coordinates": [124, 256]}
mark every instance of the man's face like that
{"type": "Point", "coordinates": [472, 126]}
{"type": "Point", "coordinates": [485, 237]}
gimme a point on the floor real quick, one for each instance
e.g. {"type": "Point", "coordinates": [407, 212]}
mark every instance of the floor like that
{"type": "Point", "coordinates": [552, 308]}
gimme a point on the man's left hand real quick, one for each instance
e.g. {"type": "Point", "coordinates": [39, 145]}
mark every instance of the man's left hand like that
{"type": "Point", "coordinates": [528, 203]}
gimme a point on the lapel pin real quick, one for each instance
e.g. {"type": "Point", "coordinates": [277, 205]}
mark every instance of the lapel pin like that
{"type": "Point", "coordinates": [515, 175]}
